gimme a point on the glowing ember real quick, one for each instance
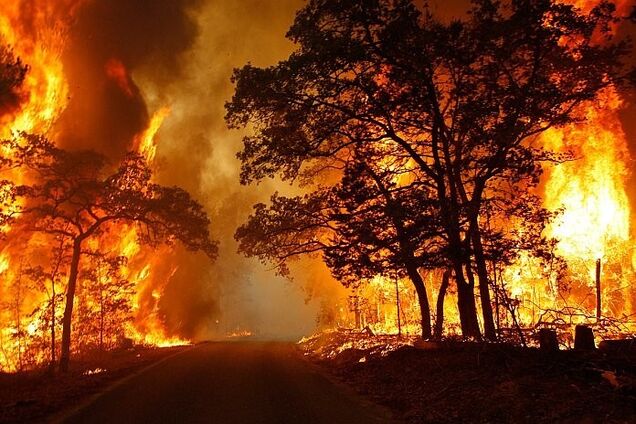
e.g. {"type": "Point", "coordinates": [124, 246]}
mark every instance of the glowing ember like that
{"type": "Point", "coordinates": [95, 371]}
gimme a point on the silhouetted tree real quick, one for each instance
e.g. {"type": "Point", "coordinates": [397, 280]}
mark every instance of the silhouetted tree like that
{"type": "Point", "coordinates": [74, 195]}
{"type": "Point", "coordinates": [464, 100]}
{"type": "Point", "coordinates": [366, 225]}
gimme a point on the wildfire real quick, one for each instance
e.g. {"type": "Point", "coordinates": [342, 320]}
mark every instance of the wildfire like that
{"type": "Point", "coordinates": [591, 189]}
{"type": "Point", "coordinates": [39, 40]}
{"type": "Point", "coordinates": [45, 88]}
{"type": "Point", "coordinates": [596, 218]}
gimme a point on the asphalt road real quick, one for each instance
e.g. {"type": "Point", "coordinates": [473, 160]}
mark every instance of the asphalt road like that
{"type": "Point", "coordinates": [233, 382]}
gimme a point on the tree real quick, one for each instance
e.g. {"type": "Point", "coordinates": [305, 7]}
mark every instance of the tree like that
{"type": "Point", "coordinates": [377, 220]}
{"type": "Point", "coordinates": [74, 195]}
{"type": "Point", "coordinates": [362, 227]}
{"type": "Point", "coordinates": [386, 227]}
{"type": "Point", "coordinates": [19, 287]}
{"type": "Point", "coordinates": [463, 100]}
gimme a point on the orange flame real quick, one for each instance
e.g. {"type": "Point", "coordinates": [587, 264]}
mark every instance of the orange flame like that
{"type": "Point", "coordinates": [145, 142]}
{"type": "Point", "coordinates": [40, 43]}
{"type": "Point", "coordinates": [596, 223]}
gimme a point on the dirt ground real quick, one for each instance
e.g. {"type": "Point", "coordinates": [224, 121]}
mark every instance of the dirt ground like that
{"type": "Point", "coordinates": [38, 396]}
{"type": "Point", "coordinates": [481, 382]}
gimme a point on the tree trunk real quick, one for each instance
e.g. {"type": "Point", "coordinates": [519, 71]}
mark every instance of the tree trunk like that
{"type": "Point", "coordinates": [68, 310]}
{"type": "Point", "coordinates": [439, 322]}
{"type": "Point", "coordinates": [356, 311]}
{"type": "Point", "coordinates": [18, 318]}
{"type": "Point", "coordinates": [466, 305]}
{"type": "Point", "coordinates": [397, 305]}
{"type": "Point", "coordinates": [599, 308]}
{"type": "Point", "coordinates": [422, 297]}
{"type": "Point", "coordinates": [484, 283]}
{"type": "Point", "coordinates": [54, 273]}
{"type": "Point", "coordinates": [101, 317]}
{"type": "Point", "coordinates": [53, 324]}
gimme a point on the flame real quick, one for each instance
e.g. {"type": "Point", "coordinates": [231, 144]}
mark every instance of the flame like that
{"type": "Point", "coordinates": [596, 218]}
{"type": "Point", "coordinates": [591, 189]}
{"type": "Point", "coordinates": [146, 141]}
{"type": "Point", "coordinates": [45, 88]}
{"type": "Point", "coordinates": [39, 40]}
{"type": "Point", "coordinates": [595, 224]}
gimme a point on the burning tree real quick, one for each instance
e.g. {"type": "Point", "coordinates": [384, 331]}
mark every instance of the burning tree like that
{"type": "Point", "coordinates": [75, 196]}
{"type": "Point", "coordinates": [463, 101]}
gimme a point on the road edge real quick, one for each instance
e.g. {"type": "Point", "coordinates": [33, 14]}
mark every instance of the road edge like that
{"type": "Point", "coordinates": [62, 416]}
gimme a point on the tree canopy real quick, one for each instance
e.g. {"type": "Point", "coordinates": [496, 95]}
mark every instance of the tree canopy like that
{"type": "Point", "coordinates": [458, 105]}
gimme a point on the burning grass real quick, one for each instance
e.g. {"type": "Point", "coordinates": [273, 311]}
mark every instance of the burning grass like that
{"type": "Point", "coordinates": [480, 382]}
{"type": "Point", "coordinates": [345, 343]}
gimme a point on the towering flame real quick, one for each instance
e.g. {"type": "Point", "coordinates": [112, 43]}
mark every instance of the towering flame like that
{"type": "Point", "coordinates": [145, 141]}
{"type": "Point", "coordinates": [596, 219]}
{"type": "Point", "coordinates": [40, 44]}
{"type": "Point", "coordinates": [591, 188]}
{"type": "Point", "coordinates": [37, 32]}
{"type": "Point", "coordinates": [596, 222]}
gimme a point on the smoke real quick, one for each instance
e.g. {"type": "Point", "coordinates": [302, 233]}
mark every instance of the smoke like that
{"type": "Point", "coordinates": [198, 152]}
{"type": "Point", "coordinates": [106, 41]}
{"type": "Point", "coordinates": [128, 59]}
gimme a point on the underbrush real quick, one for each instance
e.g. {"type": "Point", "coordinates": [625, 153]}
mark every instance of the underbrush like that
{"type": "Point", "coordinates": [480, 382]}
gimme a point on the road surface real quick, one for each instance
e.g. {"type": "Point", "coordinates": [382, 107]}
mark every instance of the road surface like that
{"type": "Point", "coordinates": [229, 382]}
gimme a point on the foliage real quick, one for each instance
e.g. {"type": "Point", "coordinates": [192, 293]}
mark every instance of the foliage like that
{"type": "Point", "coordinates": [73, 195]}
